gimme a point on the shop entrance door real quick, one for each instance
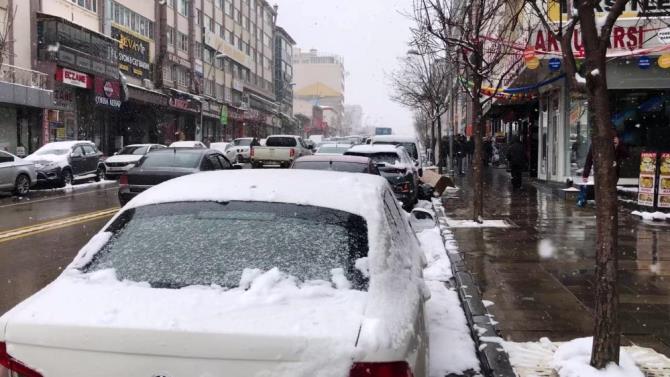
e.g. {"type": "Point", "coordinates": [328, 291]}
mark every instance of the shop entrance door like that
{"type": "Point", "coordinates": [542, 171]}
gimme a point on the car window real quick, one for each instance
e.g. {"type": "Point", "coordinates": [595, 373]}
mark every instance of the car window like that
{"type": "Point", "coordinates": [173, 245]}
{"type": "Point", "coordinates": [281, 142]}
{"type": "Point", "coordinates": [88, 150]}
{"type": "Point", "coordinates": [242, 142]}
{"type": "Point", "coordinates": [77, 151]}
{"type": "Point", "coordinates": [391, 158]}
{"type": "Point", "coordinates": [351, 167]}
{"type": "Point", "coordinates": [224, 162]}
{"type": "Point", "coordinates": [6, 157]}
{"type": "Point", "coordinates": [207, 165]}
{"type": "Point", "coordinates": [171, 159]}
{"type": "Point", "coordinates": [214, 159]}
{"type": "Point", "coordinates": [136, 150]}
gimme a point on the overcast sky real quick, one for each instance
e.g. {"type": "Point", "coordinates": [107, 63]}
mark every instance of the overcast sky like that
{"type": "Point", "coordinates": [370, 35]}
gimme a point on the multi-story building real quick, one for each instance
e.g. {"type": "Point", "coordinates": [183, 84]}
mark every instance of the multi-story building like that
{"type": "Point", "coordinates": [284, 79]}
{"type": "Point", "coordinates": [122, 71]}
{"type": "Point", "coordinates": [353, 118]}
{"type": "Point", "coordinates": [319, 89]}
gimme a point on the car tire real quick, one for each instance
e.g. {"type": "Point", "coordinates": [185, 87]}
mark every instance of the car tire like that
{"type": "Point", "coordinates": [22, 185]}
{"type": "Point", "coordinates": [65, 177]}
{"type": "Point", "coordinates": [100, 174]}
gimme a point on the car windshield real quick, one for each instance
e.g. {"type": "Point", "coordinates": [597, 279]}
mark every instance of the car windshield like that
{"type": "Point", "coordinates": [135, 149]}
{"type": "Point", "coordinates": [171, 159]}
{"type": "Point", "coordinates": [281, 142]}
{"type": "Point", "coordinates": [351, 167]}
{"type": "Point", "coordinates": [409, 147]}
{"type": "Point", "coordinates": [242, 142]}
{"type": "Point", "coordinates": [340, 149]}
{"type": "Point", "coordinates": [54, 151]}
{"type": "Point", "coordinates": [381, 157]}
{"type": "Point", "coordinates": [175, 245]}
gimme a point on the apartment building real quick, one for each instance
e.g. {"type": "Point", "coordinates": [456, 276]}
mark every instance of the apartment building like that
{"type": "Point", "coordinates": [125, 71]}
{"type": "Point", "coordinates": [284, 80]}
{"type": "Point", "coordinates": [319, 91]}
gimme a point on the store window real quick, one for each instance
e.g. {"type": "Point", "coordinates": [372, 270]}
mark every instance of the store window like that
{"type": "Point", "coordinates": [579, 138]}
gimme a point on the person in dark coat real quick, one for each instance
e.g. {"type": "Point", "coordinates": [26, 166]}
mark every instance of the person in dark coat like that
{"type": "Point", "coordinates": [470, 149]}
{"type": "Point", "coordinates": [488, 151]}
{"type": "Point", "coordinates": [458, 153]}
{"type": "Point", "coordinates": [620, 154]}
{"type": "Point", "coordinates": [516, 158]}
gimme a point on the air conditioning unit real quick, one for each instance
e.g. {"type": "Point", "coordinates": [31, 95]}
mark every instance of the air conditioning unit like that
{"type": "Point", "coordinates": [147, 83]}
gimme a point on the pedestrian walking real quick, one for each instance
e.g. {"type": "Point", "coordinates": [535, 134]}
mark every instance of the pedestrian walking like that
{"type": "Point", "coordinates": [620, 154]}
{"type": "Point", "coordinates": [488, 151]}
{"type": "Point", "coordinates": [470, 148]}
{"type": "Point", "coordinates": [459, 153]}
{"type": "Point", "coordinates": [516, 158]}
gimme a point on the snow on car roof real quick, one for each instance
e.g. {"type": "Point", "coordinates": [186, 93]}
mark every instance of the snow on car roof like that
{"type": "Point", "coordinates": [185, 143]}
{"type": "Point", "coordinates": [368, 148]}
{"type": "Point", "coordinates": [64, 144]}
{"type": "Point", "coordinates": [394, 138]}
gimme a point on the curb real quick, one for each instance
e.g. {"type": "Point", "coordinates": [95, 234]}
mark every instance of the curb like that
{"type": "Point", "coordinates": [493, 359]}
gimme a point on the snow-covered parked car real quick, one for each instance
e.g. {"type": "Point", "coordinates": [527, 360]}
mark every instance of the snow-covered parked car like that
{"type": "Point", "coordinates": [16, 174]}
{"type": "Point", "coordinates": [64, 162]}
{"type": "Point", "coordinates": [235, 273]}
{"type": "Point", "coordinates": [188, 144]}
{"type": "Point", "coordinates": [127, 158]}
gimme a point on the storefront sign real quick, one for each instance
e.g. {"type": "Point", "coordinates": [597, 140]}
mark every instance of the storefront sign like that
{"type": "Point", "coordinates": [533, 63]}
{"type": "Point", "coordinates": [134, 56]}
{"type": "Point", "coordinates": [74, 78]}
{"type": "Point", "coordinates": [64, 97]}
{"type": "Point", "coordinates": [647, 179]}
{"type": "Point", "coordinates": [182, 101]}
{"type": "Point", "coordinates": [664, 36]}
{"type": "Point", "coordinates": [664, 61]}
{"type": "Point", "coordinates": [174, 58]}
{"type": "Point", "coordinates": [231, 52]}
{"type": "Point", "coordinates": [554, 64]}
{"type": "Point", "coordinates": [528, 53]}
{"type": "Point", "coordinates": [223, 119]}
{"type": "Point", "coordinates": [45, 126]}
{"type": "Point", "coordinates": [664, 181]}
{"type": "Point", "coordinates": [107, 92]}
{"type": "Point", "coordinates": [626, 35]}
{"type": "Point", "coordinates": [644, 62]}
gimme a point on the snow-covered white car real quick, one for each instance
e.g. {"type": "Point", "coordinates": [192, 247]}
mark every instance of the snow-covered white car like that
{"type": "Point", "coordinates": [127, 158]}
{"type": "Point", "coordinates": [63, 162]}
{"type": "Point", "coordinates": [228, 150]}
{"type": "Point", "coordinates": [235, 273]}
{"type": "Point", "coordinates": [188, 144]}
{"type": "Point", "coordinates": [242, 147]}
{"type": "Point", "coordinates": [332, 149]}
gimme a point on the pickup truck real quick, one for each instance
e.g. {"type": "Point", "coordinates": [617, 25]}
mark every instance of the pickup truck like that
{"type": "Point", "coordinates": [279, 150]}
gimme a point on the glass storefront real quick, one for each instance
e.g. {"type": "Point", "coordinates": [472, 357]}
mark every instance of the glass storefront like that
{"type": "Point", "coordinates": [580, 138]}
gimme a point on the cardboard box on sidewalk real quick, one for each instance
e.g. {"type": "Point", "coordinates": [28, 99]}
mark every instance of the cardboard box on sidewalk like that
{"type": "Point", "coordinates": [437, 181]}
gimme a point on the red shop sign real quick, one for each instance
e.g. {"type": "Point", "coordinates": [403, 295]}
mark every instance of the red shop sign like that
{"type": "Point", "coordinates": [107, 92]}
{"type": "Point", "coordinates": [74, 78]}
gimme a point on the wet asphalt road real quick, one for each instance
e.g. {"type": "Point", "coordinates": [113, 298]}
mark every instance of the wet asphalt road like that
{"type": "Point", "coordinates": [552, 296]}
{"type": "Point", "coordinates": [41, 233]}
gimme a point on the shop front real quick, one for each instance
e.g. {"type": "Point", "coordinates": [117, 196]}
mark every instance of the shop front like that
{"type": "Point", "coordinates": [182, 119]}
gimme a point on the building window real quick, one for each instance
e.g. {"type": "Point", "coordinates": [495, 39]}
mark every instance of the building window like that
{"type": "Point", "coordinates": [183, 7]}
{"type": "Point", "coordinates": [183, 78]}
{"type": "Point", "coordinates": [219, 91]}
{"type": "Point", "coordinates": [229, 7]}
{"type": "Point", "coordinates": [198, 50]}
{"type": "Point", "coordinates": [173, 73]}
{"type": "Point", "coordinates": [133, 21]}
{"type": "Point", "coordinates": [170, 36]}
{"type": "Point", "coordinates": [87, 4]}
{"type": "Point", "coordinates": [182, 41]}
{"type": "Point", "coordinates": [198, 18]}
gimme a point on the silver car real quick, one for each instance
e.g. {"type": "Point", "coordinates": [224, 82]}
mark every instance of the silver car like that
{"type": "Point", "coordinates": [16, 174]}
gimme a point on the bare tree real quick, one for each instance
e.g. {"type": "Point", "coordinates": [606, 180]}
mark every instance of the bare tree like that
{"type": "Point", "coordinates": [470, 32]}
{"type": "Point", "coordinates": [422, 84]}
{"type": "Point", "coordinates": [595, 34]}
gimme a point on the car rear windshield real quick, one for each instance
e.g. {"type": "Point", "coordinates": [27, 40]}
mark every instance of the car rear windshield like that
{"type": "Point", "coordinates": [339, 149]}
{"type": "Point", "coordinates": [171, 159]}
{"type": "Point", "coordinates": [381, 157]}
{"type": "Point", "coordinates": [351, 167]}
{"type": "Point", "coordinates": [242, 142]}
{"type": "Point", "coordinates": [281, 142]}
{"type": "Point", "coordinates": [174, 245]}
{"type": "Point", "coordinates": [136, 150]}
{"type": "Point", "coordinates": [409, 147]}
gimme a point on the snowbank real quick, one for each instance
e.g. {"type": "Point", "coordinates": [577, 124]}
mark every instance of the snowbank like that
{"type": "Point", "coordinates": [439, 267]}
{"type": "Point", "coordinates": [652, 216]}
{"type": "Point", "coordinates": [572, 358]}
{"type": "Point", "coordinates": [473, 224]}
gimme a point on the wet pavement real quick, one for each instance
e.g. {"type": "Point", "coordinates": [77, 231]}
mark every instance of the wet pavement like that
{"type": "Point", "coordinates": [539, 273]}
{"type": "Point", "coordinates": [31, 261]}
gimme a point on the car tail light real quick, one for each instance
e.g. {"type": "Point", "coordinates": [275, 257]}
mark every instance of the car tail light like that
{"type": "Point", "coordinates": [291, 152]}
{"type": "Point", "coordinates": [385, 369]}
{"type": "Point", "coordinates": [123, 180]}
{"type": "Point", "coordinates": [9, 363]}
{"type": "Point", "coordinates": [251, 151]}
{"type": "Point", "coordinates": [404, 187]}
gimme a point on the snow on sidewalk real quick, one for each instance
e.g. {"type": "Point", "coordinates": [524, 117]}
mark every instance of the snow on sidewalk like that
{"type": "Point", "coordinates": [451, 347]}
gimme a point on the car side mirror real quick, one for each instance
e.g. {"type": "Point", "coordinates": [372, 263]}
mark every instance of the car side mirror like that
{"type": "Point", "coordinates": [421, 219]}
{"type": "Point", "coordinates": [237, 166]}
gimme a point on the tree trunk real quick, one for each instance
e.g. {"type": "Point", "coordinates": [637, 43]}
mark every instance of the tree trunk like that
{"type": "Point", "coordinates": [440, 155]}
{"type": "Point", "coordinates": [478, 163]}
{"type": "Point", "coordinates": [432, 141]}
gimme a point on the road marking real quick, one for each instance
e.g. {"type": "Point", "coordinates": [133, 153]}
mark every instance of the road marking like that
{"type": "Point", "coordinates": [55, 224]}
{"type": "Point", "coordinates": [57, 197]}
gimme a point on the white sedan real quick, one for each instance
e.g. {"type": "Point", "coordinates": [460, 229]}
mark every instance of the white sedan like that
{"type": "Point", "coordinates": [235, 273]}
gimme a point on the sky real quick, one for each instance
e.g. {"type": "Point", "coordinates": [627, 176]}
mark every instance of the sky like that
{"type": "Point", "coordinates": [370, 35]}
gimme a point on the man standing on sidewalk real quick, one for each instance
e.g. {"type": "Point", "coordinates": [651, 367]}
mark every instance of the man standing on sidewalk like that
{"type": "Point", "coordinates": [620, 154]}
{"type": "Point", "coordinates": [516, 158]}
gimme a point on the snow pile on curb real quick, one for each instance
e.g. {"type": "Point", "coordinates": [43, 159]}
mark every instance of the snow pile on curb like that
{"type": "Point", "coordinates": [572, 358]}
{"type": "Point", "coordinates": [473, 224]}
{"type": "Point", "coordinates": [452, 349]}
{"type": "Point", "coordinates": [652, 216]}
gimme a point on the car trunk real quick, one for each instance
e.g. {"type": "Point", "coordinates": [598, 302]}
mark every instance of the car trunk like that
{"type": "Point", "coordinates": [130, 331]}
{"type": "Point", "coordinates": [152, 177]}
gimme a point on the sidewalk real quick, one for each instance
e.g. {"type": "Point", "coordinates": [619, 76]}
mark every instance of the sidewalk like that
{"type": "Point", "coordinates": [539, 274]}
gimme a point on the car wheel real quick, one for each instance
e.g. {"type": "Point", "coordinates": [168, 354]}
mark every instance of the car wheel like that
{"type": "Point", "coordinates": [100, 174]}
{"type": "Point", "coordinates": [22, 185]}
{"type": "Point", "coordinates": [66, 178]}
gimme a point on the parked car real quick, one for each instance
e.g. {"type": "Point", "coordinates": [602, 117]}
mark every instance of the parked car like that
{"type": "Point", "coordinates": [396, 166]}
{"type": "Point", "coordinates": [351, 164]}
{"type": "Point", "coordinates": [332, 149]}
{"type": "Point", "coordinates": [242, 147]}
{"type": "Point", "coordinates": [235, 274]}
{"type": "Point", "coordinates": [16, 174]}
{"type": "Point", "coordinates": [188, 144]}
{"type": "Point", "coordinates": [166, 164]}
{"type": "Point", "coordinates": [410, 144]}
{"type": "Point", "coordinates": [228, 150]}
{"type": "Point", "coordinates": [64, 162]}
{"type": "Point", "coordinates": [279, 150]}
{"type": "Point", "coordinates": [127, 158]}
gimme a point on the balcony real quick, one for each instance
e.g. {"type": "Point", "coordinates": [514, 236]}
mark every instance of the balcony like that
{"type": "Point", "coordinates": [24, 87]}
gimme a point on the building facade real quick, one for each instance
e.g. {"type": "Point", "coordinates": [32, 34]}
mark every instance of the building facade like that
{"type": "Point", "coordinates": [123, 71]}
{"type": "Point", "coordinates": [319, 91]}
{"type": "Point", "coordinates": [284, 80]}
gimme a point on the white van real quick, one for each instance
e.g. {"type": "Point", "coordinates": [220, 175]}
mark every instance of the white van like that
{"type": "Point", "coordinates": [409, 142]}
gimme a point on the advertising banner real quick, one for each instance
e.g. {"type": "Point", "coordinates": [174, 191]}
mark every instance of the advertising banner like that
{"type": "Point", "coordinates": [647, 179]}
{"type": "Point", "coordinates": [107, 93]}
{"type": "Point", "coordinates": [134, 56]}
{"type": "Point", "coordinates": [664, 181]}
